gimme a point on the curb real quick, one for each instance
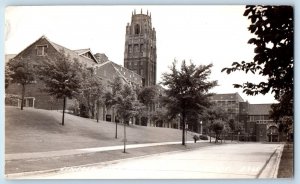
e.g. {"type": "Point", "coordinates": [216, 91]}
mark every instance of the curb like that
{"type": "Point", "coordinates": [266, 172]}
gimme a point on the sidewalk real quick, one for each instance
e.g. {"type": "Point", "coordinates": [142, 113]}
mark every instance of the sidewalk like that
{"type": "Point", "coordinates": [55, 160]}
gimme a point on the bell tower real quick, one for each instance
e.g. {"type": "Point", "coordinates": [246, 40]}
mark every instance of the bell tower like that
{"type": "Point", "coordinates": [140, 47]}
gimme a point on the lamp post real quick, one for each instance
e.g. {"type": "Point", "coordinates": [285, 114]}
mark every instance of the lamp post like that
{"type": "Point", "coordinates": [201, 128]}
{"type": "Point", "coordinates": [271, 136]}
{"type": "Point", "coordinates": [238, 136]}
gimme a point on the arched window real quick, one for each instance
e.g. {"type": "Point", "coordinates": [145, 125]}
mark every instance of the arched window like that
{"type": "Point", "coordinates": [137, 29]}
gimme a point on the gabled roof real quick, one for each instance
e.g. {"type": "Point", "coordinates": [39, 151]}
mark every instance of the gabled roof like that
{"type": "Point", "coordinates": [82, 51]}
{"type": "Point", "coordinates": [64, 50]}
{"type": "Point", "coordinates": [259, 109]}
{"type": "Point", "coordinates": [128, 74]}
{"type": "Point", "coordinates": [73, 54]}
{"type": "Point", "coordinates": [124, 73]}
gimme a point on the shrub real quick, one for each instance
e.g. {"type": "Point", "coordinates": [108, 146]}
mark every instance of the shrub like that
{"type": "Point", "coordinates": [11, 99]}
{"type": "Point", "coordinates": [203, 137]}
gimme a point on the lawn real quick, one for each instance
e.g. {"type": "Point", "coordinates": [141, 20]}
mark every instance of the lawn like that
{"type": "Point", "coordinates": [286, 166]}
{"type": "Point", "coordinates": [36, 130]}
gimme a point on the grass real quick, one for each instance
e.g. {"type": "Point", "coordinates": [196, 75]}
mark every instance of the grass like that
{"type": "Point", "coordinates": [36, 130]}
{"type": "Point", "coordinates": [286, 166]}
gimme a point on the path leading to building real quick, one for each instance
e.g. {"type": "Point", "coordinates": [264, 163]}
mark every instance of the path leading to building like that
{"type": "Point", "coordinates": [248, 160]}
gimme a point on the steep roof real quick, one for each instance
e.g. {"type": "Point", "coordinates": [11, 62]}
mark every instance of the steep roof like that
{"type": "Point", "coordinates": [259, 109]}
{"type": "Point", "coordinates": [73, 54]}
{"type": "Point", "coordinates": [128, 74]}
{"type": "Point", "coordinates": [124, 73]}
{"type": "Point", "coordinates": [81, 51]}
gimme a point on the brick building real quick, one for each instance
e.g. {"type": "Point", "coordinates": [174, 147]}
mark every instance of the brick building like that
{"type": "Point", "coordinates": [43, 47]}
{"type": "Point", "coordinates": [255, 121]}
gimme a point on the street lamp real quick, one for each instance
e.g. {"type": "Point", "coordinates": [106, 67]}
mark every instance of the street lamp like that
{"type": "Point", "coordinates": [271, 136]}
{"type": "Point", "coordinates": [238, 136]}
{"type": "Point", "coordinates": [201, 129]}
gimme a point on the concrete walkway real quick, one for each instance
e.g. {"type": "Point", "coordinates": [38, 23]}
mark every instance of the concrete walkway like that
{"type": "Point", "coordinates": [228, 161]}
{"type": "Point", "coordinates": [35, 155]}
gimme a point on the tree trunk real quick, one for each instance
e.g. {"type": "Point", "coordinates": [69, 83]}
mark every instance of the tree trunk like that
{"type": "Point", "coordinates": [183, 128]}
{"type": "Point", "coordinates": [63, 116]}
{"type": "Point", "coordinates": [23, 96]}
{"type": "Point", "coordinates": [97, 113]}
{"type": "Point", "coordinates": [124, 151]}
{"type": "Point", "coordinates": [148, 116]}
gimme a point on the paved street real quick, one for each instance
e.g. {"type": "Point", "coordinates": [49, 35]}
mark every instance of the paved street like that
{"type": "Point", "coordinates": [245, 160]}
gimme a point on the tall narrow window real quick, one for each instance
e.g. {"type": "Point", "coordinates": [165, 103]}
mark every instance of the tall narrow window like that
{"type": "Point", "coordinates": [129, 48]}
{"type": "Point", "coordinates": [41, 50]}
{"type": "Point", "coordinates": [137, 29]}
{"type": "Point", "coordinates": [141, 48]}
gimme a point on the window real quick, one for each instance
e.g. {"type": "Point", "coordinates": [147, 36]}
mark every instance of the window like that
{"type": "Point", "coordinates": [136, 48]}
{"type": "Point", "coordinates": [129, 48]}
{"type": "Point", "coordinates": [137, 29]}
{"type": "Point", "coordinates": [41, 50]}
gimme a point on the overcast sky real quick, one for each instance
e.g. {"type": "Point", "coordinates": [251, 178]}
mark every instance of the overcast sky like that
{"type": "Point", "coordinates": [202, 34]}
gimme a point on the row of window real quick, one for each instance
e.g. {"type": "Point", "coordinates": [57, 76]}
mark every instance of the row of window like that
{"type": "Point", "coordinates": [135, 48]}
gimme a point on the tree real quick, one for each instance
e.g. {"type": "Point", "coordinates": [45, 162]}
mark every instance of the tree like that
{"type": "Point", "coordinates": [187, 91]}
{"type": "Point", "coordinates": [212, 114]}
{"type": "Point", "coordinates": [62, 78]}
{"type": "Point", "coordinates": [8, 74]}
{"type": "Point", "coordinates": [126, 107]}
{"type": "Point", "coordinates": [21, 71]}
{"type": "Point", "coordinates": [232, 127]}
{"type": "Point", "coordinates": [217, 127]}
{"type": "Point", "coordinates": [110, 98]}
{"type": "Point", "coordinates": [92, 93]}
{"type": "Point", "coordinates": [148, 96]}
{"type": "Point", "coordinates": [273, 27]}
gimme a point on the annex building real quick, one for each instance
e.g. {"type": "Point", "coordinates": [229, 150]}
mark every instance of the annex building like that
{"type": "Point", "coordinates": [254, 119]}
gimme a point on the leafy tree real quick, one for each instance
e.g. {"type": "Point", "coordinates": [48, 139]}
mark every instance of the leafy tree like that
{"type": "Point", "coordinates": [273, 29]}
{"type": "Point", "coordinates": [62, 78]}
{"type": "Point", "coordinates": [21, 71]}
{"type": "Point", "coordinates": [92, 93]}
{"type": "Point", "coordinates": [213, 114]}
{"type": "Point", "coordinates": [126, 107]}
{"type": "Point", "coordinates": [8, 74]}
{"type": "Point", "coordinates": [187, 91]}
{"type": "Point", "coordinates": [159, 115]}
{"type": "Point", "coordinates": [148, 96]}
{"type": "Point", "coordinates": [110, 98]}
{"type": "Point", "coordinates": [286, 126]}
{"type": "Point", "coordinates": [217, 127]}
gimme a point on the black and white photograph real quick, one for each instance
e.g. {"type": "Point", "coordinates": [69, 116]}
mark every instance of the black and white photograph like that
{"type": "Point", "coordinates": [149, 92]}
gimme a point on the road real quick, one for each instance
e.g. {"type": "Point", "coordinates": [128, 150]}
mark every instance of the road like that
{"type": "Point", "coordinates": [245, 160]}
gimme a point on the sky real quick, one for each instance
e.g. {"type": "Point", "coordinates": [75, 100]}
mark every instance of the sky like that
{"type": "Point", "coordinates": [201, 34]}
